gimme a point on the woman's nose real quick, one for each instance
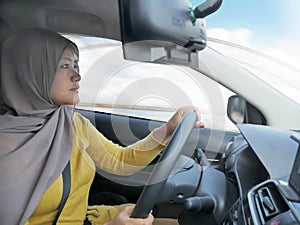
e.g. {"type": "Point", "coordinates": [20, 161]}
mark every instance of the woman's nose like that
{"type": "Point", "coordinates": [76, 77]}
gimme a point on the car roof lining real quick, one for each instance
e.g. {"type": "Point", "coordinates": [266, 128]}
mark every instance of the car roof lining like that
{"type": "Point", "coordinates": [98, 18]}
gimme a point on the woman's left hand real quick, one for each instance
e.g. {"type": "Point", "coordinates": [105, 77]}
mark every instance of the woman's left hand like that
{"type": "Point", "coordinates": [163, 133]}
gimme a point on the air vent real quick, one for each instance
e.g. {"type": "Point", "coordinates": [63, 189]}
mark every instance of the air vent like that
{"type": "Point", "coordinates": [269, 203]}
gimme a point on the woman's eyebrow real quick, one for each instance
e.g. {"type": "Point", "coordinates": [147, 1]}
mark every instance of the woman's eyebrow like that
{"type": "Point", "coordinates": [70, 59]}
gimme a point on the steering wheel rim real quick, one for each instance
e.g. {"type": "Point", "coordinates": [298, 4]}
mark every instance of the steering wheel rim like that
{"type": "Point", "coordinates": [164, 166]}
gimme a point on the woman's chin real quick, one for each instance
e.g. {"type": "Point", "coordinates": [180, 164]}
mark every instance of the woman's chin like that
{"type": "Point", "coordinates": [76, 100]}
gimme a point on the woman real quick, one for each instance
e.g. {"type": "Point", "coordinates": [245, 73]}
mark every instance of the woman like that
{"type": "Point", "coordinates": [40, 134]}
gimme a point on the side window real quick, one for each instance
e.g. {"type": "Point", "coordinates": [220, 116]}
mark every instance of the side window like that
{"type": "Point", "coordinates": [154, 91]}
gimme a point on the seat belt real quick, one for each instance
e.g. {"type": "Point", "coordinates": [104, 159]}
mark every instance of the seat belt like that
{"type": "Point", "coordinates": [66, 174]}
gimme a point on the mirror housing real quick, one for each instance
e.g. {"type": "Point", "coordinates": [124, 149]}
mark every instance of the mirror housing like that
{"type": "Point", "coordinates": [166, 20]}
{"type": "Point", "coordinates": [240, 111]}
{"type": "Point", "coordinates": [166, 31]}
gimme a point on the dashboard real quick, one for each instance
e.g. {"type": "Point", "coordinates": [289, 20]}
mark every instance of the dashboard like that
{"type": "Point", "coordinates": [277, 201]}
{"type": "Point", "coordinates": [263, 197]}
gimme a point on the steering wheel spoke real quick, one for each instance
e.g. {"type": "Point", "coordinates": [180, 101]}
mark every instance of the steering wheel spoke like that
{"type": "Point", "coordinates": [164, 166]}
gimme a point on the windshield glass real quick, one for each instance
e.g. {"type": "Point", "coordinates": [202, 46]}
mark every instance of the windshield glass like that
{"type": "Point", "coordinates": [111, 84]}
{"type": "Point", "coordinates": [260, 36]}
{"type": "Point", "coordinates": [263, 37]}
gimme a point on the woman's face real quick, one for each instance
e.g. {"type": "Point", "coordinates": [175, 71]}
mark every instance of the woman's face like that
{"type": "Point", "coordinates": [65, 86]}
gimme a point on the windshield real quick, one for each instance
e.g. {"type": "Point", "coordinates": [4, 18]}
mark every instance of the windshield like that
{"type": "Point", "coordinates": [154, 91]}
{"type": "Point", "coordinates": [261, 36]}
{"type": "Point", "coordinates": [257, 36]}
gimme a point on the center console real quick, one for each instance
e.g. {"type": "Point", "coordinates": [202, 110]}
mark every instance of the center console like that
{"type": "Point", "coordinates": [277, 201]}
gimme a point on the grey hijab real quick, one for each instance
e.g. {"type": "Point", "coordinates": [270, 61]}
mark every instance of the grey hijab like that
{"type": "Point", "coordinates": [36, 136]}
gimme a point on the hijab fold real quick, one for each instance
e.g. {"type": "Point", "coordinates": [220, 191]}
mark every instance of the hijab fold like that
{"type": "Point", "coordinates": [36, 135]}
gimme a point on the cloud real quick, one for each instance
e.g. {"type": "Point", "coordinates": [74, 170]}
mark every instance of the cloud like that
{"type": "Point", "coordinates": [241, 36]}
{"type": "Point", "coordinates": [276, 61]}
{"type": "Point", "coordinates": [287, 50]}
{"type": "Point", "coordinates": [107, 77]}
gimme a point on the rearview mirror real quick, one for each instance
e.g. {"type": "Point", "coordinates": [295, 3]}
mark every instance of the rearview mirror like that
{"type": "Point", "coordinates": [166, 31]}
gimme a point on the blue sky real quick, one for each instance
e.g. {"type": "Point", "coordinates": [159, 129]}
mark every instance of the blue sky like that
{"type": "Point", "coordinates": [270, 26]}
{"type": "Point", "coordinates": [267, 19]}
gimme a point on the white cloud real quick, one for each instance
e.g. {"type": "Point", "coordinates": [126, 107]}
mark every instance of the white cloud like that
{"type": "Point", "coordinates": [241, 36]}
{"type": "Point", "coordinates": [277, 63]}
{"type": "Point", "coordinates": [285, 78]}
{"type": "Point", "coordinates": [287, 50]}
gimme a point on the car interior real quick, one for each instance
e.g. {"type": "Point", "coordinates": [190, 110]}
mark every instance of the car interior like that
{"type": "Point", "coordinates": [213, 176]}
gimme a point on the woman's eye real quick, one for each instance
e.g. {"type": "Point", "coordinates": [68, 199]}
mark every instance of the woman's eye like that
{"type": "Point", "coordinates": [76, 67]}
{"type": "Point", "coordinates": [65, 66]}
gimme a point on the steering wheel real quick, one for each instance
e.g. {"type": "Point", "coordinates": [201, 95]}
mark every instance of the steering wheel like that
{"type": "Point", "coordinates": [164, 166]}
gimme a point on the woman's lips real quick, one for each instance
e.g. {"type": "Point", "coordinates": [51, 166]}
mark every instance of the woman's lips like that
{"type": "Point", "coordinates": [75, 89]}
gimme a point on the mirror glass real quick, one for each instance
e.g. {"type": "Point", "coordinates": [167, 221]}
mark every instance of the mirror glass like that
{"type": "Point", "coordinates": [236, 109]}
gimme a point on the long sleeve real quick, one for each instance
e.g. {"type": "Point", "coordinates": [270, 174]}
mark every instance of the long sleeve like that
{"type": "Point", "coordinates": [111, 157]}
{"type": "Point", "coordinates": [91, 148]}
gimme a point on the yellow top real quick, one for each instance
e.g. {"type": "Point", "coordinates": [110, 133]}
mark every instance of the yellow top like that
{"type": "Point", "coordinates": [91, 149]}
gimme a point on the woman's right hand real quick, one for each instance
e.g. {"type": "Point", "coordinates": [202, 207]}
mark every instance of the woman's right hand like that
{"type": "Point", "coordinates": [123, 218]}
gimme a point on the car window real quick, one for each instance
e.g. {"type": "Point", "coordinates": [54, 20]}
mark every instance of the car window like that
{"type": "Point", "coordinates": [273, 68]}
{"type": "Point", "coordinates": [153, 91]}
{"type": "Point", "coordinates": [266, 44]}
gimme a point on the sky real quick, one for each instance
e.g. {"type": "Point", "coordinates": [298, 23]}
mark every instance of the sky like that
{"type": "Point", "coordinates": [267, 21]}
{"type": "Point", "coordinates": [270, 27]}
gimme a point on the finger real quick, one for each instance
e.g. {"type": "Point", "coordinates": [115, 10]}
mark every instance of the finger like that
{"type": "Point", "coordinates": [147, 221]}
{"type": "Point", "coordinates": [198, 113]}
{"type": "Point", "coordinates": [150, 219]}
{"type": "Point", "coordinates": [128, 209]}
{"type": "Point", "coordinates": [181, 112]}
{"type": "Point", "coordinates": [200, 124]}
